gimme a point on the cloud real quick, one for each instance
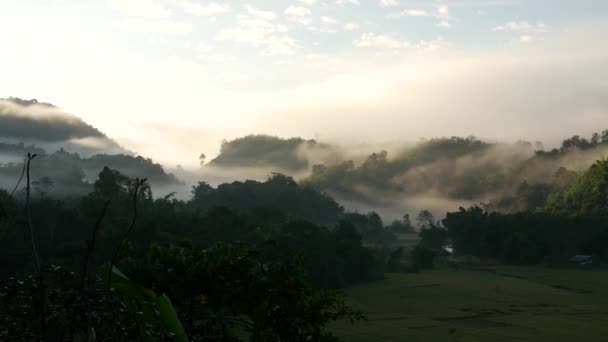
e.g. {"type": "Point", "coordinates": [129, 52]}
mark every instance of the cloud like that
{"type": "Point", "coordinates": [299, 14]}
{"type": "Point", "coordinates": [348, 2]}
{"type": "Point", "coordinates": [411, 13]}
{"type": "Point", "coordinates": [140, 8]}
{"type": "Point", "coordinates": [328, 20]}
{"type": "Point", "coordinates": [389, 3]}
{"type": "Point", "coordinates": [164, 26]}
{"type": "Point", "coordinates": [443, 12]}
{"type": "Point", "coordinates": [444, 23]}
{"type": "Point", "coordinates": [432, 45]}
{"type": "Point", "coordinates": [381, 41]}
{"type": "Point", "coordinates": [258, 30]}
{"type": "Point", "coordinates": [308, 2]}
{"type": "Point", "coordinates": [351, 26]}
{"type": "Point", "coordinates": [525, 39]}
{"type": "Point", "coordinates": [298, 11]}
{"type": "Point", "coordinates": [205, 10]}
{"type": "Point", "coordinates": [522, 26]}
{"type": "Point", "coordinates": [259, 14]}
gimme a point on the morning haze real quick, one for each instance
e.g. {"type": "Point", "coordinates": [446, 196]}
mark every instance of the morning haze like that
{"type": "Point", "coordinates": [303, 170]}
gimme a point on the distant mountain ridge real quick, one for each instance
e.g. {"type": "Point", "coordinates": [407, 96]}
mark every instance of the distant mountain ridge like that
{"type": "Point", "coordinates": [41, 123]}
{"type": "Point", "coordinates": [70, 151]}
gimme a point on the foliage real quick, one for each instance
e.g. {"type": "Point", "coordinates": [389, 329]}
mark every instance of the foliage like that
{"type": "Point", "coordinates": [264, 151]}
{"type": "Point", "coordinates": [151, 311]}
{"type": "Point", "coordinates": [278, 192]}
{"type": "Point", "coordinates": [527, 237]}
{"type": "Point", "coordinates": [588, 196]}
{"type": "Point", "coordinates": [222, 291]}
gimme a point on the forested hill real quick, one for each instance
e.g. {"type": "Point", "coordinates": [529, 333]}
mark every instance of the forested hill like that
{"type": "Point", "coordinates": [30, 121]}
{"type": "Point", "coordinates": [267, 152]}
{"type": "Point", "coordinates": [454, 170]}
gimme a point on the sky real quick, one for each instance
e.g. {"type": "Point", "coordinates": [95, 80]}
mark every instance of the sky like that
{"type": "Point", "coordinates": [171, 78]}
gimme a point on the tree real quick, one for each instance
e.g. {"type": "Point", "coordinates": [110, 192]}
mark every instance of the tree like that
{"type": "Point", "coordinates": [425, 219]}
{"type": "Point", "coordinates": [201, 159]}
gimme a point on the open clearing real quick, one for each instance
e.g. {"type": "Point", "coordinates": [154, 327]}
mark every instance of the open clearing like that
{"type": "Point", "coordinates": [497, 303]}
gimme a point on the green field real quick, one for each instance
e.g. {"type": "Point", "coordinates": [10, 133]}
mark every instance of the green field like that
{"type": "Point", "coordinates": [496, 303]}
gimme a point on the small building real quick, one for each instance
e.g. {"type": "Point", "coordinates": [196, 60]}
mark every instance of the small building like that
{"type": "Point", "coordinates": [582, 260]}
{"type": "Point", "coordinates": [448, 249]}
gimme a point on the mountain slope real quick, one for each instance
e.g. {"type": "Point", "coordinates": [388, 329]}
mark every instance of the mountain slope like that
{"type": "Point", "coordinates": [30, 121]}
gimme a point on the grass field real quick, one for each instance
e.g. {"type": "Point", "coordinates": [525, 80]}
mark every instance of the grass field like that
{"type": "Point", "coordinates": [496, 303]}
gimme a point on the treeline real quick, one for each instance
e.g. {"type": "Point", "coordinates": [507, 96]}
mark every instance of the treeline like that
{"type": "Point", "coordinates": [566, 221]}
{"type": "Point", "coordinates": [61, 173]}
{"type": "Point", "coordinates": [299, 219]}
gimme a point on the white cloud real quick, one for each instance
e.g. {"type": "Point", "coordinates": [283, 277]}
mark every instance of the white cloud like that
{"type": "Point", "coordinates": [308, 2]}
{"type": "Point", "coordinates": [140, 8]}
{"type": "Point", "coordinates": [299, 14]}
{"type": "Point", "coordinates": [298, 11]}
{"type": "Point", "coordinates": [205, 10]}
{"type": "Point", "coordinates": [348, 2]}
{"type": "Point", "coordinates": [328, 20]}
{"type": "Point", "coordinates": [389, 3]}
{"type": "Point", "coordinates": [351, 26]}
{"type": "Point", "coordinates": [269, 43]}
{"type": "Point", "coordinates": [381, 41]}
{"type": "Point", "coordinates": [443, 12]}
{"type": "Point", "coordinates": [432, 45]}
{"type": "Point", "coordinates": [522, 26]}
{"type": "Point", "coordinates": [164, 26]}
{"type": "Point", "coordinates": [412, 13]}
{"type": "Point", "coordinates": [525, 39]}
{"type": "Point", "coordinates": [259, 14]}
{"type": "Point", "coordinates": [444, 23]}
{"type": "Point", "coordinates": [231, 77]}
{"type": "Point", "coordinates": [415, 13]}
{"type": "Point", "coordinates": [258, 30]}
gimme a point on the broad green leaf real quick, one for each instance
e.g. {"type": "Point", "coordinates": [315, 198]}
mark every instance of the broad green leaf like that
{"type": "Point", "coordinates": [147, 307]}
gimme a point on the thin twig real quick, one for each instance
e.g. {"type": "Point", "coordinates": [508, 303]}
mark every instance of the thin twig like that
{"type": "Point", "coordinates": [41, 289]}
{"type": "Point", "coordinates": [84, 274]}
{"type": "Point", "coordinates": [91, 246]}
{"type": "Point", "coordinates": [3, 212]}
{"type": "Point", "coordinates": [20, 178]}
{"type": "Point", "coordinates": [123, 240]}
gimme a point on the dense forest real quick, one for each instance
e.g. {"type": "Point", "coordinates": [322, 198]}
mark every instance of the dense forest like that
{"type": "Point", "coordinates": [255, 260]}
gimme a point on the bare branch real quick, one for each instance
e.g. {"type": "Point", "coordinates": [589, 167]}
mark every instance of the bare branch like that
{"type": "Point", "coordinates": [138, 184]}
{"type": "Point", "coordinates": [20, 178]}
{"type": "Point", "coordinates": [41, 289]}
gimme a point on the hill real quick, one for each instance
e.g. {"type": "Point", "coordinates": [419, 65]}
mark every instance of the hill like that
{"type": "Point", "coordinates": [33, 122]}
{"type": "Point", "coordinates": [71, 153]}
{"type": "Point", "coordinates": [254, 151]}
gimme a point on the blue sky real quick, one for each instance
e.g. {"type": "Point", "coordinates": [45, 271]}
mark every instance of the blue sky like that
{"type": "Point", "coordinates": [188, 70]}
